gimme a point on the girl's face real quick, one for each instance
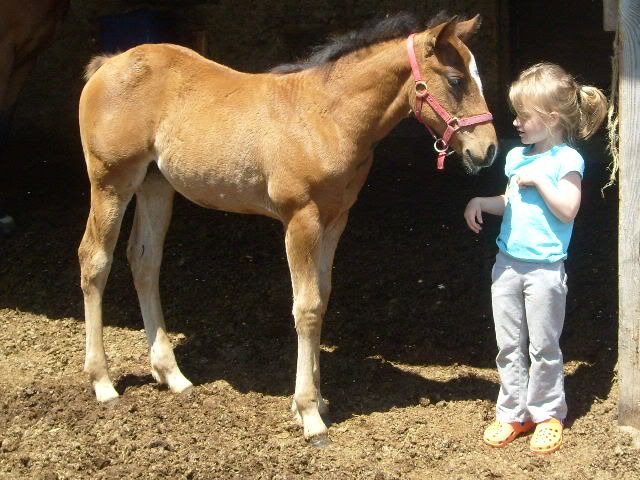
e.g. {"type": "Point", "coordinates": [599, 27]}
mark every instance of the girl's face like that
{"type": "Point", "coordinates": [533, 130]}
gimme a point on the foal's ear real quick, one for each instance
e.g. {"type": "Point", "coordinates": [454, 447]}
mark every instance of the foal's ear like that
{"type": "Point", "coordinates": [445, 31]}
{"type": "Point", "coordinates": [466, 29]}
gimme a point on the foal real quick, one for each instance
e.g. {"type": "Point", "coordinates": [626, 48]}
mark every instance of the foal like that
{"type": "Point", "coordinates": [295, 146]}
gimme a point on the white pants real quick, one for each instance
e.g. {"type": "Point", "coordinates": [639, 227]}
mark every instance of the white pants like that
{"type": "Point", "coordinates": [529, 302]}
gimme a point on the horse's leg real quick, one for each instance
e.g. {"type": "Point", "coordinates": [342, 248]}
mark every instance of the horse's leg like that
{"type": "Point", "coordinates": [7, 53]}
{"type": "Point", "coordinates": [96, 255]}
{"type": "Point", "coordinates": [13, 83]}
{"type": "Point", "coordinates": [154, 201]}
{"type": "Point", "coordinates": [330, 239]}
{"type": "Point", "coordinates": [12, 80]}
{"type": "Point", "coordinates": [303, 242]}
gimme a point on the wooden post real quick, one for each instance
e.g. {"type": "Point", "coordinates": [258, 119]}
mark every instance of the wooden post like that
{"type": "Point", "coordinates": [610, 15]}
{"type": "Point", "coordinates": [629, 217]}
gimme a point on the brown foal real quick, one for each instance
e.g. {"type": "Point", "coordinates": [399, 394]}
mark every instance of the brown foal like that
{"type": "Point", "coordinates": [295, 146]}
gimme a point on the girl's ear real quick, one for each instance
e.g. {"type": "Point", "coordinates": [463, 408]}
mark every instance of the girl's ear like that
{"type": "Point", "coordinates": [554, 117]}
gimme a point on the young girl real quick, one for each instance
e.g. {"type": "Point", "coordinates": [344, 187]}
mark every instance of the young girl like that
{"type": "Point", "coordinates": [529, 284]}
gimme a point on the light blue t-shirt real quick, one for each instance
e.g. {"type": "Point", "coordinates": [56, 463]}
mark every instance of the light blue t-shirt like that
{"type": "Point", "coordinates": [529, 230]}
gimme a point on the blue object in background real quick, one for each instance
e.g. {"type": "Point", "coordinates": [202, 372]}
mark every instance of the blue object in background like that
{"type": "Point", "coordinates": [122, 31]}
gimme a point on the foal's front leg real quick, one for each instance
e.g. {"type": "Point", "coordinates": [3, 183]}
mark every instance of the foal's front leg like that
{"type": "Point", "coordinates": [330, 238]}
{"type": "Point", "coordinates": [303, 242]}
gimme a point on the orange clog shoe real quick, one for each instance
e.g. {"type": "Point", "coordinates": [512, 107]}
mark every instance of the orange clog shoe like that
{"type": "Point", "coordinates": [500, 434]}
{"type": "Point", "coordinates": [547, 437]}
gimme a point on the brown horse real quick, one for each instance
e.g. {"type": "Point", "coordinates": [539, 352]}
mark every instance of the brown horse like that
{"type": "Point", "coordinates": [295, 145]}
{"type": "Point", "coordinates": [26, 28]}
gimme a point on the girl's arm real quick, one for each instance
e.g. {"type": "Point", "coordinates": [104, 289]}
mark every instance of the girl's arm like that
{"type": "Point", "coordinates": [477, 205]}
{"type": "Point", "coordinates": [563, 200]}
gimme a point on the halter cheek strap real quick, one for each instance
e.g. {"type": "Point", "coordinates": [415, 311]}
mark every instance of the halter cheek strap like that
{"type": "Point", "coordinates": [441, 144]}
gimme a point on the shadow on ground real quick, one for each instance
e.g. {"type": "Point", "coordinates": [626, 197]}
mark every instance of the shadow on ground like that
{"type": "Point", "coordinates": [411, 283]}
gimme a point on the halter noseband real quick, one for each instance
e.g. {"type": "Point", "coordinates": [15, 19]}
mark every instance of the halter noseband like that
{"type": "Point", "coordinates": [441, 145]}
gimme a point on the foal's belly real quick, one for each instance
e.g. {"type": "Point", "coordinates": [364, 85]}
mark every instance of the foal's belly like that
{"type": "Point", "coordinates": [232, 188]}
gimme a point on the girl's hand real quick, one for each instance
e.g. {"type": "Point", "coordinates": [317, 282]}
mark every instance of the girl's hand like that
{"type": "Point", "coordinates": [526, 180]}
{"type": "Point", "coordinates": [473, 214]}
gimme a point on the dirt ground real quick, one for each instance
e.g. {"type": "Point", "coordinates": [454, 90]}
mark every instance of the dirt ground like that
{"type": "Point", "coordinates": [408, 343]}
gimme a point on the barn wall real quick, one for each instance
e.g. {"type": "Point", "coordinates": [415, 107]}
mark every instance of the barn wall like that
{"type": "Point", "coordinates": [573, 36]}
{"type": "Point", "coordinates": [251, 39]}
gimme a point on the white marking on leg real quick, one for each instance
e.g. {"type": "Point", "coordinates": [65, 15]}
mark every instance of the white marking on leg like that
{"type": "Point", "coordinates": [104, 391]}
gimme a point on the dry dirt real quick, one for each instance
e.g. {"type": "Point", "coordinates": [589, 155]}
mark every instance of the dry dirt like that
{"type": "Point", "coordinates": [408, 344]}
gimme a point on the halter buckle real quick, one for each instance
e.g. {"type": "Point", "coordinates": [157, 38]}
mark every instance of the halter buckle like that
{"type": "Point", "coordinates": [421, 89]}
{"type": "Point", "coordinates": [454, 123]}
{"type": "Point", "coordinates": [440, 145]}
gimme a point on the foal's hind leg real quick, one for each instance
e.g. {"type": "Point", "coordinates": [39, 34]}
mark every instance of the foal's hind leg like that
{"type": "Point", "coordinates": [96, 255]}
{"type": "Point", "coordinates": [154, 201]}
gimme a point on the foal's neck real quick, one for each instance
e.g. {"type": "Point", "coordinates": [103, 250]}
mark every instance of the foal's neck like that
{"type": "Point", "coordinates": [368, 90]}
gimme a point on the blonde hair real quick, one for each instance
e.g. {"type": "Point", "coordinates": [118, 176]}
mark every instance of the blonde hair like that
{"type": "Point", "coordinates": [547, 87]}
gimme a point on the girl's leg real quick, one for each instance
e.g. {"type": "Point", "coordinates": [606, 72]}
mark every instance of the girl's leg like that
{"type": "Point", "coordinates": [511, 335]}
{"type": "Point", "coordinates": [545, 299]}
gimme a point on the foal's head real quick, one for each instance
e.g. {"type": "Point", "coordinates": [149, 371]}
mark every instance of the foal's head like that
{"type": "Point", "coordinates": [451, 76]}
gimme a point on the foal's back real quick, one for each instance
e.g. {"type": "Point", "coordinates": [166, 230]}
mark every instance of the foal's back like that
{"type": "Point", "coordinates": [215, 133]}
{"type": "Point", "coordinates": [136, 93]}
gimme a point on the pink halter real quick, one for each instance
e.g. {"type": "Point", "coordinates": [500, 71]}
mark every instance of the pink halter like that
{"type": "Point", "coordinates": [441, 145]}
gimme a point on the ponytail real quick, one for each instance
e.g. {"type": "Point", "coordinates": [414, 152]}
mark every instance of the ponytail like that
{"type": "Point", "coordinates": [593, 110]}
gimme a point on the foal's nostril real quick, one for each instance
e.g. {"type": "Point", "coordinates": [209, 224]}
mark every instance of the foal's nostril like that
{"type": "Point", "coordinates": [491, 153]}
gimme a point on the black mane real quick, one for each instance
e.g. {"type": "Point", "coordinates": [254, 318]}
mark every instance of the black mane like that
{"type": "Point", "coordinates": [399, 25]}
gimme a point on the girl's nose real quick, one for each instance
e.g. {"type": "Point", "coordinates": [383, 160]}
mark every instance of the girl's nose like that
{"type": "Point", "coordinates": [515, 122]}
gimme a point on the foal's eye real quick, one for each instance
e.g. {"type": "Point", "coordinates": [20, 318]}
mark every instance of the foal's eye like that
{"type": "Point", "coordinates": [454, 81]}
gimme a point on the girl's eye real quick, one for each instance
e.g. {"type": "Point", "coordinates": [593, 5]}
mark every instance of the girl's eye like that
{"type": "Point", "coordinates": [454, 81]}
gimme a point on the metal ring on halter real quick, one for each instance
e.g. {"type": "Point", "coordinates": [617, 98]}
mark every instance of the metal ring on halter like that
{"type": "Point", "coordinates": [440, 145]}
{"type": "Point", "coordinates": [421, 89]}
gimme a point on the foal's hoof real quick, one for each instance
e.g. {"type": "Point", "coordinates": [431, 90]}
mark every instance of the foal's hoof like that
{"type": "Point", "coordinates": [105, 393]}
{"type": "Point", "coordinates": [188, 392]}
{"type": "Point", "coordinates": [111, 403]}
{"type": "Point", "coordinates": [320, 441]}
